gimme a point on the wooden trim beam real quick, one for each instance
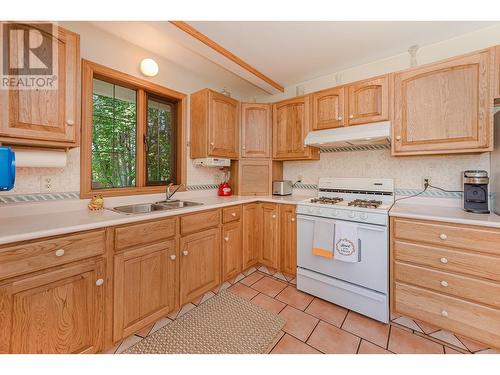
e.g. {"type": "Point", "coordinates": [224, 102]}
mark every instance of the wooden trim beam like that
{"type": "Point", "coordinates": [184, 26]}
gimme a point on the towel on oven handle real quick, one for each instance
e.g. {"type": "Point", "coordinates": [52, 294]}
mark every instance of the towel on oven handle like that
{"type": "Point", "coordinates": [347, 244]}
{"type": "Point", "coordinates": [323, 238]}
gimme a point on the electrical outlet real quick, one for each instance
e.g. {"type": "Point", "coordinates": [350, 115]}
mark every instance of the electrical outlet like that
{"type": "Point", "coordinates": [426, 180]}
{"type": "Point", "coordinates": [46, 183]}
{"type": "Point", "coordinates": [299, 177]}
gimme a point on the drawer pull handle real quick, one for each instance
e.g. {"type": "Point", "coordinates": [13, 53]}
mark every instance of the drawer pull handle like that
{"type": "Point", "coordinates": [59, 253]}
{"type": "Point", "coordinates": [172, 257]}
{"type": "Point", "coordinates": [226, 239]}
{"type": "Point", "coordinates": [444, 283]}
{"type": "Point", "coordinates": [443, 236]}
{"type": "Point", "coordinates": [99, 282]}
{"type": "Point", "coordinates": [233, 214]}
{"type": "Point", "coordinates": [444, 313]}
{"type": "Point", "coordinates": [185, 253]}
{"type": "Point", "coordinates": [444, 260]}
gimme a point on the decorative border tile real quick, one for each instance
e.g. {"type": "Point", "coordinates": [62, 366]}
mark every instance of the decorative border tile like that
{"type": "Point", "coordinates": [428, 193]}
{"type": "Point", "coordinates": [355, 148]}
{"type": "Point", "coordinates": [300, 185]}
{"type": "Point", "coordinates": [39, 197]}
{"type": "Point", "coordinates": [202, 187]}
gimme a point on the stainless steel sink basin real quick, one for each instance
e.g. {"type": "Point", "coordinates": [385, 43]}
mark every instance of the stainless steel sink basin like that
{"type": "Point", "coordinates": [144, 208]}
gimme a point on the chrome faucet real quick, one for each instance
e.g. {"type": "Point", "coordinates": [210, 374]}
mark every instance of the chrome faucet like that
{"type": "Point", "coordinates": [170, 194]}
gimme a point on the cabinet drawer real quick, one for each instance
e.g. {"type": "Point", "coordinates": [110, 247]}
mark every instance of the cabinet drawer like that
{"type": "Point", "coordinates": [231, 214]}
{"type": "Point", "coordinates": [203, 220]}
{"type": "Point", "coordinates": [458, 236]}
{"type": "Point", "coordinates": [37, 255]}
{"type": "Point", "coordinates": [472, 320]}
{"type": "Point", "coordinates": [474, 264]}
{"type": "Point", "coordinates": [477, 290]}
{"type": "Point", "coordinates": [140, 234]}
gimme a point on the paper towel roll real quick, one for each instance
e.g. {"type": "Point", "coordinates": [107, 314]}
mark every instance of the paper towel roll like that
{"type": "Point", "coordinates": [40, 158]}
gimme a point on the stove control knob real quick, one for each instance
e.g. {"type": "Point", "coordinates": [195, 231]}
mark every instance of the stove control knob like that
{"type": "Point", "coordinates": [363, 216]}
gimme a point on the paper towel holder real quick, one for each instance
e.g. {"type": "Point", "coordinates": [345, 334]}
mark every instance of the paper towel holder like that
{"type": "Point", "coordinates": [40, 157]}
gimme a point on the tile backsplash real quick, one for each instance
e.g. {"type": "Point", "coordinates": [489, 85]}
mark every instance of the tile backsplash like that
{"type": "Point", "coordinates": [445, 171]}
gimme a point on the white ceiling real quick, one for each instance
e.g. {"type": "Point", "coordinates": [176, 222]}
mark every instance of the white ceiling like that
{"type": "Point", "coordinates": [295, 51]}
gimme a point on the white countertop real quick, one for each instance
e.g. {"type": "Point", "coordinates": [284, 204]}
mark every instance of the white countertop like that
{"type": "Point", "coordinates": [440, 210]}
{"type": "Point", "coordinates": [37, 220]}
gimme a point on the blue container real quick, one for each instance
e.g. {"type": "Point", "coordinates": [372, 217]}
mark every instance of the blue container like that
{"type": "Point", "coordinates": [7, 168]}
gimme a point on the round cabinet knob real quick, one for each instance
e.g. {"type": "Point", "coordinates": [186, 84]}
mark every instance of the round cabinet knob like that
{"type": "Point", "coordinates": [226, 239]}
{"type": "Point", "coordinates": [243, 148]}
{"type": "Point", "coordinates": [99, 282]}
{"type": "Point", "coordinates": [59, 252]}
{"type": "Point", "coordinates": [351, 116]}
{"type": "Point", "coordinates": [70, 122]}
{"type": "Point", "coordinates": [293, 219]}
{"type": "Point", "coordinates": [444, 313]}
{"type": "Point", "coordinates": [444, 260]}
{"type": "Point", "coordinates": [172, 257]}
{"type": "Point", "coordinates": [443, 236]}
{"type": "Point", "coordinates": [233, 214]}
{"type": "Point", "coordinates": [185, 253]}
{"type": "Point", "coordinates": [211, 143]}
{"type": "Point", "coordinates": [444, 283]}
{"type": "Point", "coordinates": [398, 138]}
{"type": "Point", "coordinates": [274, 216]}
{"type": "Point", "coordinates": [339, 118]}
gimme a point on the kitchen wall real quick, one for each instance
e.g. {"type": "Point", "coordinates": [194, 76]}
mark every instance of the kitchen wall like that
{"type": "Point", "coordinates": [407, 171]}
{"type": "Point", "coordinates": [101, 47]}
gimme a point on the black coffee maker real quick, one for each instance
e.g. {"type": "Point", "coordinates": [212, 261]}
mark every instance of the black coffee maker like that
{"type": "Point", "coordinates": [476, 191]}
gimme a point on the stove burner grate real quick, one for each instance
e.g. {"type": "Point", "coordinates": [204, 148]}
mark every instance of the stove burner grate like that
{"type": "Point", "coordinates": [365, 203]}
{"type": "Point", "coordinates": [326, 200]}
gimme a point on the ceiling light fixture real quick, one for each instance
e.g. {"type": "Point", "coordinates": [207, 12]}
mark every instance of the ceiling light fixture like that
{"type": "Point", "coordinates": [149, 67]}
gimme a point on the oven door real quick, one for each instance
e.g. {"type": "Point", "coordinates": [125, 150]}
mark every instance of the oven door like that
{"type": "Point", "coordinates": [370, 272]}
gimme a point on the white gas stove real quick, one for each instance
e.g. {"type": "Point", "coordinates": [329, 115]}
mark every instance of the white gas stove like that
{"type": "Point", "coordinates": [361, 205]}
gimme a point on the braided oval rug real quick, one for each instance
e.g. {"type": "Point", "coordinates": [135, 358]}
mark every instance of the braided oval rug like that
{"type": "Point", "coordinates": [225, 324]}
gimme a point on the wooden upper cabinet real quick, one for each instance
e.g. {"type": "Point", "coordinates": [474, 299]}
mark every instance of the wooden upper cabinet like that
{"type": "Point", "coordinates": [59, 311]}
{"type": "Point", "coordinates": [252, 226]}
{"type": "Point", "coordinates": [256, 130]}
{"type": "Point", "coordinates": [200, 264]}
{"type": "Point", "coordinates": [269, 255]}
{"type": "Point", "coordinates": [368, 101]}
{"type": "Point", "coordinates": [145, 284]}
{"type": "Point", "coordinates": [288, 239]}
{"type": "Point", "coordinates": [291, 123]}
{"type": "Point", "coordinates": [497, 72]}
{"type": "Point", "coordinates": [40, 116]}
{"type": "Point", "coordinates": [252, 176]}
{"type": "Point", "coordinates": [328, 108]}
{"type": "Point", "coordinates": [444, 107]}
{"type": "Point", "coordinates": [214, 125]}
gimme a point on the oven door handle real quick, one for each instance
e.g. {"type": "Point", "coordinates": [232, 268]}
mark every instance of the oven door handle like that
{"type": "Point", "coordinates": [373, 228]}
{"type": "Point", "coordinates": [359, 249]}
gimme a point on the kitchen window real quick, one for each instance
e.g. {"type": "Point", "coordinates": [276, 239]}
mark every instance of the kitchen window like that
{"type": "Point", "coordinates": [132, 134]}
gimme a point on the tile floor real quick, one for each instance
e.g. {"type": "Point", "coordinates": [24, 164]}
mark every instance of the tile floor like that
{"type": "Point", "coordinates": [315, 326]}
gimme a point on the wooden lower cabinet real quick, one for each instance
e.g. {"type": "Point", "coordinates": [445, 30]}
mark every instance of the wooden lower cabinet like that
{"type": "Point", "coordinates": [269, 255]}
{"type": "Point", "coordinates": [251, 234]}
{"type": "Point", "coordinates": [57, 311]}
{"type": "Point", "coordinates": [199, 264]}
{"type": "Point", "coordinates": [231, 250]}
{"type": "Point", "coordinates": [288, 239]}
{"type": "Point", "coordinates": [145, 284]}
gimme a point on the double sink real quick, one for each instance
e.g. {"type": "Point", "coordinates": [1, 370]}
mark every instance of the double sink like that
{"type": "Point", "coordinates": [144, 208]}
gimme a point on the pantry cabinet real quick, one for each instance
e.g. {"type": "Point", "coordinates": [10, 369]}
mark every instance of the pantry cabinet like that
{"type": "Point", "coordinates": [251, 234]}
{"type": "Point", "coordinates": [328, 108]}
{"type": "Point", "coordinates": [231, 250]}
{"type": "Point", "coordinates": [368, 101]}
{"type": "Point", "coordinates": [49, 115]}
{"type": "Point", "coordinates": [288, 239]}
{"type": "Point", "coordinates": [199, 264]}
{"type": "Point", "coordinates": [256, 130]}
{"type": "Point", "coordinates": [269, 255]}
{"type": "Point", "coordinates": [60, 310]}
{"type": "Point", "coordinates": [444, 107]}
{"type": "Point", "coordinates": [215, 123]}
{"type": "Point", "coordinates": [145, 284]}
{"type": "Point", "coordinates": [291, 123]}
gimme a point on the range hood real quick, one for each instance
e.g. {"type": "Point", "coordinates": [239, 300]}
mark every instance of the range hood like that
{"type": "Point", "coordinates": [358, 135]}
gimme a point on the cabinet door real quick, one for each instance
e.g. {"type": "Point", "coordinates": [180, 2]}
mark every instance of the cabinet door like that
{"type": "Point", "coordinates": [59, 311]}
{"type": "Point", "coordinates": [254, 177]}
{"type": "Point", "coordinates": [200, 264]}
{"type": "Point", "coordinates": [144, 288]}
{"type": "Point", "coordinates": [328, 109]}
{"type": "Point", "coordinates": [256, 130]}
{"type": "Point", "coordinates": [223, 132]}
{"type": "Point", "coordinates": [47, 116]}
{"type": "Point", "coordinates": [231, 250]}
{"type": "Point", "coordinates": [497, 72]}
{"type": "Point", "coordinates": [270, 235]}
{"type": "Point", "coordinates": [291, 123]}
{"type": "Point", "coordinates": [368, 101]}
{"type": "Point", "coordinates": [444, 107]}
{"type": "Point", "coordinates": [288, 239]}
{"type": "Point", "coordinates": [251, 234]}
